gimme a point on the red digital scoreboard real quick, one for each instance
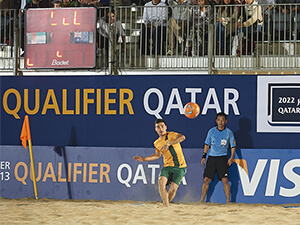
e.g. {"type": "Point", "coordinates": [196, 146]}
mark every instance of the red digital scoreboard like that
{"type": "Point", "coordinates": [60, 38]}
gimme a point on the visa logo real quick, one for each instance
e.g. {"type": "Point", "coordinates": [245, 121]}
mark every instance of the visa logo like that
{"type": "Point", "coordinates": [249, 184]}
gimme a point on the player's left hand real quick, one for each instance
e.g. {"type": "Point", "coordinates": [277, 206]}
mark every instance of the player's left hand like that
{"type": "Point", "coordinates": [165, 147]}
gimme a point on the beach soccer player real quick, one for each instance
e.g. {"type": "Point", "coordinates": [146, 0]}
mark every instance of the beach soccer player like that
{"type": "Point", "coordinates": [168, 145]}
{"type": "Point", "coordinates": [219, 139]}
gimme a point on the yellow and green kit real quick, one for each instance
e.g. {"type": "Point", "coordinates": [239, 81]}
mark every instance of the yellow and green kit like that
{"type": "Point", "coordinates": [174, 161]}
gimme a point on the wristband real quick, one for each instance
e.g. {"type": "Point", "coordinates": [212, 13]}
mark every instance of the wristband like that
{"type": "Point", "coordinates": [204, 155]}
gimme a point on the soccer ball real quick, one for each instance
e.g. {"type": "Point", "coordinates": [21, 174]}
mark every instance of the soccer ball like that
{"type": "Point", "coordinates": [191, 110]}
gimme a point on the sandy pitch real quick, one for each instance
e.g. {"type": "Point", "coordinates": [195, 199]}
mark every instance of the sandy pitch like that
{"type": "Point", "coordinates": [48, 211]}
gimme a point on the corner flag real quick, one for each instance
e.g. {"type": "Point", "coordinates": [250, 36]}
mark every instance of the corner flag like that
{"type": "Point", "coordinates": [25, 133]}
{"type": "Point", "coordinates": [25, 136]}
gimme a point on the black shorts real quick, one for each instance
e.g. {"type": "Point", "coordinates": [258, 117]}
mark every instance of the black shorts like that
{"type": "Point", "coordinates": [216, 164]}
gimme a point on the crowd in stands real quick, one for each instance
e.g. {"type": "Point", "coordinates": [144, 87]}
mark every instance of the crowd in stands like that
{"type": "Point", "coordinates": [26, 4]}
{"type": "Point", "coordinates": [243, 20]}
{"type": "Point", "coordinates": [168, 24]}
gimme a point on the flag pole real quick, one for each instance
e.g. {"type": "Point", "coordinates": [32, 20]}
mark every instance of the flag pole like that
{"type": "Point", "coordinates": [25, 136]}
{"type": "Point", "coordinates": [33, 170]}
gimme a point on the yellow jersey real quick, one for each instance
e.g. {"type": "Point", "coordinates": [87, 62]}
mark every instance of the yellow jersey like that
{"type": "Point", "coordinates": [173, 156]}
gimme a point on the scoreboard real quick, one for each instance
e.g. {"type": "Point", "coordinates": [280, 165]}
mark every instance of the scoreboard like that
{"type": "Point", "coordinates": [60, 38]}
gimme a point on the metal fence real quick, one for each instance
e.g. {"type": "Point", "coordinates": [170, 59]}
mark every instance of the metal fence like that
{"type": "Point", "coordinates": [226, 37]}
{"type": "Point", "coordinates": [9, 37]}
{"type": "Point", "coordinates": [271, 42]}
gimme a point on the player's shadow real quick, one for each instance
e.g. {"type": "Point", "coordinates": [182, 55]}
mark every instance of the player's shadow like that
{"type": "Point", "coordinates": [61, 151]}
{"type": "Point", "coordinates": [73, 137]}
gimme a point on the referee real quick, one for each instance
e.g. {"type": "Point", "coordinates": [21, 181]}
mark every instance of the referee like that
{"type": "Point", "coordinates": [218, 140]}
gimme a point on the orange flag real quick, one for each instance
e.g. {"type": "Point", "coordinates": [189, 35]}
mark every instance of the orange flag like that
{"type": "Point", "coordinates": [25, 133]}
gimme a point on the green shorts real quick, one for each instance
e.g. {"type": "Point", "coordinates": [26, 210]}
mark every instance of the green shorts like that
{"type": "Point", "coordinates": [173, 174]}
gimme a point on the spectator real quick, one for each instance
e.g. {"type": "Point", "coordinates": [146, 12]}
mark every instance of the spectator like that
{"type": "Point", "coordinates": [70, 3]}
{"type": "Point", "coordinates": [288, 6]}
{"type": "Point", "coordinates": [155, 19]}
{"type": "Point", "coordinates": [57, 4]}
{"type": "Point", "coordinates": [266, 5]}
{"type": "Point", "coordinates": [202, 16]}
{"type": "Point", "coordinates": [253, 14]}
{"type": "Point", "coordinates": [178, 23]}
{"type": "Point", "coordinates": [240, 2]}
{"type": "Point", "coordinates": [106, 24]}
{"type": "Point", "coordinates": [214, 2]}
{"type": "Point", "coordinates": [138, 2]}
{"type": "Point", "coordinates": [6, 25]}
{"type": "Point", "coordinates": [254, 21]}
{"type": "Point", "coordinates": [36, 4]}
{"type": "Point", "coordinates": [20, 4]}
{"type": "Point", "coordinates": [282, 19]}
{"type": "Point", "coordinates": [102, 3]}
{"type": "Point", "coordinates": [268, 10]}
{"type": "Point", "coordinates": [226, 23]}
{"type": "Point", "coordinates": [86, 3]}
{"type": "Point", "coordinates": [96, 3]}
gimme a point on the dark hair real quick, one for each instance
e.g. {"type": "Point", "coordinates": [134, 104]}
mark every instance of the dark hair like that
{"type": "Point", "coordinates": [108, 13]}
{"type": "Point", "coordinates": [221, 114]}
{"type": "Point", "coordinates": [213, 3]}
{"type": "Point", "coordinates": [159, 121]}
{"type": "Point", "coordinates": [228, 10]}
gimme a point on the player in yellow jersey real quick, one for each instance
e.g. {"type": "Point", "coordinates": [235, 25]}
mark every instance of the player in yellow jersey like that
{"type": "Point", "coordinates": [168, 145]}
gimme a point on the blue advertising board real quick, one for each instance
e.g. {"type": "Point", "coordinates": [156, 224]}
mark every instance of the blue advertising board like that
{"type": "Point", "coordinates": [107, 173]}
{"type": "Point", "coordinates": [109, 119]}
{"type": "Point", "coordinates": [119, 111]}
{"type": "Point", "coordinates": [91, 173]}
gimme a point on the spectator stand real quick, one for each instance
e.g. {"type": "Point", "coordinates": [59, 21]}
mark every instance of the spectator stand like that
{"type": "Point", "coordinates": [275, 51]}
{"type": "Point", "coordinates": [280, 37]}
{"type": "Point", "coordinates": [8, 25]}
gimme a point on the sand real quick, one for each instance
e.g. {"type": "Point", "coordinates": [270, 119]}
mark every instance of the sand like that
{"type": "Point", "coordinates": [48, 211]}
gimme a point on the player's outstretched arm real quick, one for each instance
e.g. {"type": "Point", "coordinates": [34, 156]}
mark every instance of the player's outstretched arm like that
{"type": "Point", "coordinates": [152, 157]}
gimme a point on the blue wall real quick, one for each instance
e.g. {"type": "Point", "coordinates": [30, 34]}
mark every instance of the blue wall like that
{"type": "Point", "coordinates": [64, 122]}
{"type": "Point", "coordinates": [109, 119]}
{"type": "Point", "coordinates": [111, 173]}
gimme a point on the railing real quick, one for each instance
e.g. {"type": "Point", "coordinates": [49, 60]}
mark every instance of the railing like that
{"type": "Point", "coordinates": [272, 43]}
{"type": "Point", "coordinates": [172, 43]}
{"type": "Point", "coordinates": [8, 37]}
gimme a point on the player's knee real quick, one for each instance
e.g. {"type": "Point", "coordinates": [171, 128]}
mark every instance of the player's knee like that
{"type": "Point", "coordinates": [162, 180]}
{"type": "Point", "coordinates": [172, 191]}
{"type": "Point", "coordinates": [206, 180]}
{"type": "Point", "coordinates": [225, 180]}
{"type": "Point", "coordinates": [173, 188]}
